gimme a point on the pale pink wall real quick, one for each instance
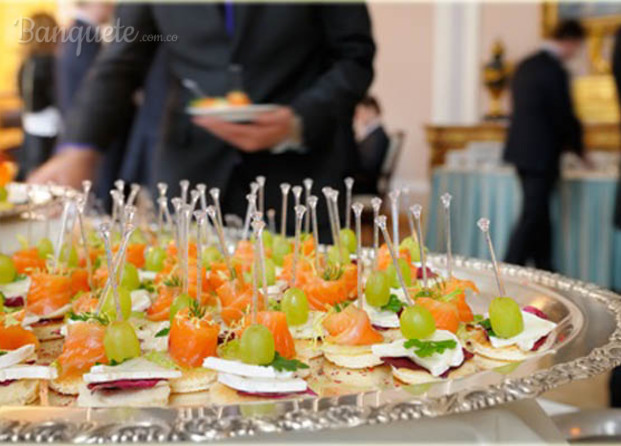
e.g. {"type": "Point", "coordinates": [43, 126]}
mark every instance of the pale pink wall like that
{"type": "Point", "coordinates": [403, 34]}
{"type": "Point", "coordinates": [517, 25]}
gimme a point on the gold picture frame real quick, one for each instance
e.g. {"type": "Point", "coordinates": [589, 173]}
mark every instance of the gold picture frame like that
{"type": "Point", "coordinates": [597, 25]}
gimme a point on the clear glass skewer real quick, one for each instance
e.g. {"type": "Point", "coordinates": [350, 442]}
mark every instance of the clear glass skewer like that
{"type": "Point", "coordinates": [284, 189]}
{"type": "Point", "coordinates": [259, 227]}
{"type": "Point", "coordinates": [417, 210]}
{"type": "Point", "coordinates": [376, 204]}
{"type": "Point", "coordinates": [358, 208]}
{"type": "Point", "coordinates": [446, 204]}
{"type": "Point", "coordinates": [81, 206]}
{"type": "Point", "coordinates": [299, 215]}
{"type": "Point", "coordinates": [381, 223]}
{"type": "Point", "coordinates": [394, 208]}
{"type": "Point", "coordinates": [484, 225]}
{"type": "Point", "coordinates": [349, 187]}
{"type": "Point", "coordinates": [260, 180]}
{"type": "Point", "coordinates": [213, 215]}
{"type": "Point", "coordinates": [308, 188]}
{"type": "Point", "coordinates": [184, 185]}
{"type": "Point", "coordinates": [312, 204]}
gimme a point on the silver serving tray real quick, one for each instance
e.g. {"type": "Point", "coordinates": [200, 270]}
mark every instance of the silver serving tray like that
{"type": "Point", "coordinates": [588, 343]}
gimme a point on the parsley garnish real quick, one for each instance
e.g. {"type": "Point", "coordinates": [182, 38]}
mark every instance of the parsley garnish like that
{"type": "Point", "coordinates": [88, 316]}
{"type": "Point", "coordinates": [424, 293]}
{"type": "Point", "coordinates": [341, 306]}
{"type": "Point", "coordinates": [197, 310]}
{"type": "Point", "coordinates": [20, 277]}
{"type": "Point", "coordinates": [113, 362]}
{"type": "Point", "coordinates": [424, 349]}
{"type": "Point", "coordinates": [487, 326]}
{"type": "Point", "coordinates": [3, 353]}
{"type": "Point", "coordinates": [163, 332]}
{"type": "Point", "coordinates": [332, 272]}
{"type": "Point", "coordinates": [394, 304]}
{"type": "Point", "coordinates": [173, 282]}
{"type": "Point", "coordinates": [290, 365]}
{"type": "Point", "coordinates": [148, 286]}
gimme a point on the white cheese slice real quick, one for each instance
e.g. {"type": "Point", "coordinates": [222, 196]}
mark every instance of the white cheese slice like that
{"type": "Point", "coordinates": [241, 369]}
{"type": "Point", "coordinates": [16, 289]}
{"type": "Point", "coordinates": [277, 288]}
{"type": "Point", "coordinates": [140, 300]}
{"type": "Point", "coordinates": [436, 364]}
{"type": "Point", "coordinates": [30, 319]}
{"type": "Point", "coordinates": [145, 275]}
{"type": "Point", "coordinates": [262, 385]}
{"type": "Point", "coordinates": [13, 357]}
{"type": "Point", "coordinates": [25, 371]}
{"type": "Point", "coordinates": [535, 328]}
{"type": "Point", "coordinates": [385, 319]}
{"type": "Point", "coordinates": [309, 330]}
{"type": "Point", "coordinates": [137, 368]}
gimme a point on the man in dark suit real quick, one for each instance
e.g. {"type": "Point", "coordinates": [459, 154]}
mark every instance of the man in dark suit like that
{"type": "Point", "coordinates": [543, 126]}
{"type": "Point", "coordinates": [313, 60]}
{"type": "Point", "coordinates": [373, 144]}
{"type": "Point", "coordinates": [616, 71]}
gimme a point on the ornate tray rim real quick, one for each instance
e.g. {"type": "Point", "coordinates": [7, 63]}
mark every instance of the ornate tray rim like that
{"type": "Point", "coordinates": [225, 422]}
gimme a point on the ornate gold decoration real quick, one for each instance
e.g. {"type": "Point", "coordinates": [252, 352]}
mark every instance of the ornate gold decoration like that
{"type": "Point", "coordinates": [496, 78]}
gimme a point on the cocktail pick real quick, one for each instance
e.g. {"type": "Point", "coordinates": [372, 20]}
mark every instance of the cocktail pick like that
{"type": "Point", "coordinates": [162, 188]}
{"type": "Point", "coordinates": [200, 217]}
{"type": "Point", "coordinates": [104, 230]}
{"type": "Point", "coordinates": [327, 191]}
{"type": "Point", "coordinates": [312, 205]}
{"type": "Point", "coordinates": [255, 274]}
{"type": "Point", "coordinates": [349, 187]}
{"type": "Point", "coordinates": [120, 186]}
{"type": "Point", "coordinates": [129, 214]}
{"type": "Point", "coordinates": [376, 204]}
{"type": "Point", "coordinates": [381, 223]}
{"type": "Point", "coordinates": [259, 249]}
{"type": "Point", "coordinates": [215, 196]}
{"type": "Point", "coordinates": [260, 180]}
{"type": "Point", "coordinates": [184, 185]}
{"type": "Point", "coordinates": [446, 204]}
{"type": "Point", "coordinates": [334, 199]}
{"type": "Point", "coordinates": [186, 217]}
{"type": "Point", "coordinates": [250, 210]}
{"type": "Point", "coordinates": [284, 189]}
{"type": "Point", "coordinates": [162, 203]}
{"type": "Point", "coordinates": [297, 195]}
{"type": "Point", "coordinates": [483, 225]}
{"type": "Point", "coordinates": [176, 203]}
{"type": "Point", "coordinates": [299, 215]}
{"type": "Point", "coordinates": [114, 194]}
{"type": "Point", "coordinates": [202, 188]}
{"type": "Point", "coordinates": [133, 193]}
{"type": "Point", "coordinates": [394, 208]}
{"type": "Point", "coordinates": [81, 206]}
{"type": "Point", "coordinates": [271, 218]}
{"type": "Point", "coordinates": [416, 210]}
{"type": "Point", "coordinates": [87, 185]}
{"type": "Point", "coordinates": [358, 208]}
{"type": "Point", "coordinates": [194, 197]}
{"type": "Point", "coordinates": [308, 187]}
{"type": "Point", "coordinates": [213, 214]}
{"type": "Point", "coordinates": [67, 205]}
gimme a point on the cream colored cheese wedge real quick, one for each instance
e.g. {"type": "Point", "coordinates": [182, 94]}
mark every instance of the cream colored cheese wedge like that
{"type": "Point", "coordinates": [262, 385]}
{"type": "Point", "coordinates": [137, 368]}
{"type": "Point", "coordinates": [241, 369]}
{"type": "Point", "coordinates": [140, 300]}
{"type": "Point", "coordinates": [26, 371]}
{"type": "Point", "coordinates": [16, 289]}
{"type": "Point", "coordinates": [17, 356]}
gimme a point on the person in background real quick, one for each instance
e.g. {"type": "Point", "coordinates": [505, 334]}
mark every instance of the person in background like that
{"type": "Point", "coordinates": [36, 83]}
{"type": "Point", "coordinates": [372, 142]}
{"type": "Point", "coordinates": [314, 60]}
{"type": "Point", "coordinates": [76, 57]}
{"type": "Point", "coordinates": [615, 377]}
{"type": "Point", "coordinates": [543, 126]}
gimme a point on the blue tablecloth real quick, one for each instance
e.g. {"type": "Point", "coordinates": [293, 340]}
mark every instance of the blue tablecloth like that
{"type": "Point", "coordinates": [586, 245]}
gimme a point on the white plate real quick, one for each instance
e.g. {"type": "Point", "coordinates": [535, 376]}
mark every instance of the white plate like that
{"type": "Point", "coordinates": [238, 113]}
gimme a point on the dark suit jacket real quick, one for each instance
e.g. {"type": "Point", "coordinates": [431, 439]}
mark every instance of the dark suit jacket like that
{"type": "Point", "coordinates": [75, 58]}
{"type": "Point", "coordinates": [543, 123]}
{"type": "Point", "coordinates": [372, 152]}
{"type": "Point", "coordinates": [316, 58]}
{"type": "Point", "coordinates": [616, 71]}
{"type": "Point", "coordinates": [36, 83]}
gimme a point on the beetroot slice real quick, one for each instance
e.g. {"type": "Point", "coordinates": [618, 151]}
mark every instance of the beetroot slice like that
{"type": "Point", "coordinates": [7, 382]}
{"type": "Point", "coordinates": [125, 384]}
{"type": "Point", "coordinates": [536, 311]}
{"type": "Point", "coordinates": [277, 396]}
{"type": "Point", "coordinates": [13, 302]}
{"type": "Point", "coordinates": [430, 274]}
{"type": "Point", "coordinates": [404, 362]}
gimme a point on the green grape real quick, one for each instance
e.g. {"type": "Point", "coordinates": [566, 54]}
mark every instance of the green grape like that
{"type": "Point", "coordinates": [211, 254]}
{"type": "Point", "coordinates": [4, 194]}
{"type": "Point", "coordinates": [181, 301]}
{"type": "Point", "coordinates": [281, 247]}
{"type": "Point", "coordinates": [138, 237]}
{"type": "Point", "coordinates": [410, 244]}
{"type": "Point", "coordinates": [108, 308]}
{"type": "Point", "coordinates": [130, 280]}
{"type": "Point", "coordinates": [154, 259]}
{"type": "Point", "coordinates": [121, 342]}
{"type": "Point", "coordinates": [505, 317]}
{"type": "Point", "coordinates": [417, 322]}
{"type": "Point", "coordinates": [348, 239]}
{"type": "Point", "coordinates": [257, 345]}
{"type": "Point", "coordinates": [7, 269]}
{"type": "Point", "coordinates": [72, 260]}
{"type": "Point", "coordinates": [334, 258]}
{"type": "Point", "coordinates": [229, 350]}
{"type": "Point", "coordinates": [268, 239]}
{"type": "Point", "coordinates": [377, 289]}
{"type": "Point", "coordinates": [45, 248]}
{"type": "Point", "coordinates": [295, 306]}
{"type": "Point", "coordinates": [1, 303]}
{"type": "Point", "coordinates": [391, 272]}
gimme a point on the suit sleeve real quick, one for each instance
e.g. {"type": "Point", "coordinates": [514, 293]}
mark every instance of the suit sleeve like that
{"type": "Point", "coordinates": [562, 112]}
{"type": "Point", "coordinates": [74, 61]}
{"type": "Point", "coordinates": [103, 103]}
{"type": "Point", "coordinates": [347, 33]}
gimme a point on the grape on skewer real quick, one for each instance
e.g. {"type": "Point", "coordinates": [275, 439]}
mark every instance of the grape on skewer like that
{"type": "Point", "coordinates": [483, 225]}
{"type": "Point", "coordinates": [349, 187]}
{"type": "Point", "coordinates": [416, 211]}
{"type": "Point", "coordinates": [381, 223]}
{"type": "Point", "coordinates": [200, 217]}
{"type": "Point", "coordinates": [358, 208]}
{"type": "Point", "coordinates": [312, 205]}
{"type": "Point", "coordinates": [299, 215]}
{"type": "Point", "coordinates": [376, 204]}
{"type": "Point", "coordinates": [260, 252]}
{"type": "Point", "coordinates": [213, 214]}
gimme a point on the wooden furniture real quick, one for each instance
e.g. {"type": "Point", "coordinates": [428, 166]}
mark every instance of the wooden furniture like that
{"type": "Point", "coordinates": [442, 138]}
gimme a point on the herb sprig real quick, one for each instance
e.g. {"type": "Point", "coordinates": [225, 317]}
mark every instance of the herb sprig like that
{"type": "Point", "coordinates": [424, 349]}
{"type": "Point", "coordinates": [394, 304]}
{"type": "Point", "coordinates": [290, 365]}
